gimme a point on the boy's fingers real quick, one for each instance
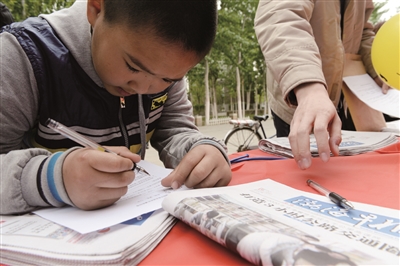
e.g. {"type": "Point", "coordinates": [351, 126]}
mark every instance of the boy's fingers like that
{"type": "Point", "coordinates": [120, 180]}
{"type": "Point", "coordinates": [178, 177]}
{"type": "Point", "coordinates": [124, 152]}
{"type": "Point", "coordinates": [108, 162]}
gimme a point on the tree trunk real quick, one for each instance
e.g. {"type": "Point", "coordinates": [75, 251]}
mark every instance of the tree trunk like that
{"type": "Point", "coordinates": [215, 109]}
{"type": "Point", "coordinates": [266, 109]}
{"type": "Point", "coordinates": [207, 92]}
{"type": "Point", "coordinates": [255, 102]}
{"type": "Point", "coordinates": [248, 99]}
{"type": "Point", "coordinates": [23, 9]}
{"type": "Point", "coordinates": [243, 99]}
{"type": "Point", "coordinates": [239, 98]}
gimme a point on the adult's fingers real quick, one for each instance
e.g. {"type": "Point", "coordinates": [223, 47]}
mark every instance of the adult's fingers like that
{"type": "Point", "coordinates": [385, 88]}
{"type": "Point", "coordinates": [299, 139]}
{"type": "Point", "coordinates": [321, 135]}
{"type": "Point", "coordinates": [335, 135]}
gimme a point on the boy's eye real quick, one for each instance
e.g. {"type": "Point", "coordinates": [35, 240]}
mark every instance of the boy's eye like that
{"type": "Point", "coordinates": [168, 81]}
{"type": "Point", "coordinates": [134, 70]}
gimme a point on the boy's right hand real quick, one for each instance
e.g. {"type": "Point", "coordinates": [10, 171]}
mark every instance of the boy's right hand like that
{"type": "Point", "coordinates": [95, 179]}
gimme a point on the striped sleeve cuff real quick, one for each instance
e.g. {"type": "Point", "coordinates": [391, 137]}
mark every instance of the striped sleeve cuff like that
{"type": "Point", "coordinates": [50, 181]}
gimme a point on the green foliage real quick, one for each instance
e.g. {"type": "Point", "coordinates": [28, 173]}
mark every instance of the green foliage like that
{"type": "Point", "coordinates": [22, 9]}
{"type": "Point", "coordinates": [379, 10]}
{"type": "Point", "coordinates": [235, 35]}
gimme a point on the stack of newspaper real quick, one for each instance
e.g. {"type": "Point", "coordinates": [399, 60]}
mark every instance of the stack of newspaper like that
{"type": "Point", "coordinates": [268, 223]}
{"type": "Point", "coordinates": [123, 233]}
{"type": "Point", "coordinates": [353, 142]}
{"type": "Point", "coordinates": [32, 240]}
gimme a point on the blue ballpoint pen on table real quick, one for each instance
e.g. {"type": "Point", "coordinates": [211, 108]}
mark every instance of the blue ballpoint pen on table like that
{"type": "Point", "coordinates": [334, 197]}
{"type": "Point", "coordinates": [246, 157]}
{"type": "Point", "coordinates": [82, 140]}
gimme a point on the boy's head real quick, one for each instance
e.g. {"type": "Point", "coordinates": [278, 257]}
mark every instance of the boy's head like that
{"type": "Point", "coordinates": [190, 23]}
{"type": "Point", "coordinates": [143, 46]}
{"type": "Point", "coordinates": [5, 15]}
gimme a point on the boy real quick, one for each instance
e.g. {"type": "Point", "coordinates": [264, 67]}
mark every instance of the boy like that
{"type": "Point", "coordinates": [5, 15]}
{"type": "Point", "coordinates": [113, 71]}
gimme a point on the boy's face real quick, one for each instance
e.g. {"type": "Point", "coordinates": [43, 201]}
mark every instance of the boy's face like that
{"type": "Point", "coordinates": [135, 62]}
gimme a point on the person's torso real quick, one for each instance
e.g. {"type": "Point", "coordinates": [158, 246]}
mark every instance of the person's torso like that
{"type": "Point", "coordinates": [325, 22]}
{"type": "Point", "coordinates": [69, 96]}
{"type": "Point", "coordinates": [334, 42]}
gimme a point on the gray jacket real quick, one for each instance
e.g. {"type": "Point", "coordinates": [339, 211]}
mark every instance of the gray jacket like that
{"type": "Point", "coordinates": [175, 135]}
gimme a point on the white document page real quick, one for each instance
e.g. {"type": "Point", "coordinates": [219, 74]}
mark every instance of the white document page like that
{"type": "Point", "coordinates": [144, 195]}
{"type": "Point", "coordinates": [365, 88]}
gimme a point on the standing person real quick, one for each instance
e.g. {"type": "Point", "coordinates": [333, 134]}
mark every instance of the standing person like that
{"type": "Point", "coordinates": [305, 45]}
{"type": "Point", "coordinates": [113, 71]}
{"type": "Point", "coordinates": [5, 15]}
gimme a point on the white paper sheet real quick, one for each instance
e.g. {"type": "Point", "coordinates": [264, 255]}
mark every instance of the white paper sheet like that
{"type": "Point", "coordinates": [365, 88]}
{"type": "Point", "coordinates": [145, 194]}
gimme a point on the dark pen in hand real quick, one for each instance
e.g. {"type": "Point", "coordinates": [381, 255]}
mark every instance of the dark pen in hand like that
{"type": "Point", "coordinates": [84, 141]}
{"type": "Point", "coordinates": [334, 197]}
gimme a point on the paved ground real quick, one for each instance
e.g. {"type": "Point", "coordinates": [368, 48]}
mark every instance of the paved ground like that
{"type": "Point", "coordinates": [218, 131]}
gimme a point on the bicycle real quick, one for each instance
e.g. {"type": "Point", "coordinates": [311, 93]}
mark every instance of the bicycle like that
{"type": "Point", "coordinates": [245, 134]}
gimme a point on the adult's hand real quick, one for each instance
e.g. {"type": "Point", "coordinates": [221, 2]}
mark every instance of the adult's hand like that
{"type": "Point", "coordinates": [203, 166]}
{"type": "Point", "coordinates": [316, 114]}
{"type": "Point", "coordinates": [385, 88]}
{"type": "Point", "coordinates": [95, 179]}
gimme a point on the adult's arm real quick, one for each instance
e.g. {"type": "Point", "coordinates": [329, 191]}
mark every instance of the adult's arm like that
{"type": "Point", "coordinates": [291, 54]}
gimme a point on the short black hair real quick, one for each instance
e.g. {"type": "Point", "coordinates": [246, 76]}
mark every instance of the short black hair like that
{"type": "Point", "coordinates": [5, 15]}
{"type": "Point", "coordinates": [190, 23]}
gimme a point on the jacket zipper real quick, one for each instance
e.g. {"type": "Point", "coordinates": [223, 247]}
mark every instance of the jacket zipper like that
{"type": "Point", "coordinates": [124, 132]}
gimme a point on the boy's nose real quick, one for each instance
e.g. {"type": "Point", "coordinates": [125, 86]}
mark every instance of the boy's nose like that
{"type": "Point", "coordinates": [141, 84]}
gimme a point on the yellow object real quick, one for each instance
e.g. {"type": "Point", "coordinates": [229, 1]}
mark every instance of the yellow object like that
{"type": "Point", "coordinates": [385, 53]}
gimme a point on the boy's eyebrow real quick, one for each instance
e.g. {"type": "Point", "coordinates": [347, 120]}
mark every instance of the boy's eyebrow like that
{"type": "Point", "coordinates": [139, 64]}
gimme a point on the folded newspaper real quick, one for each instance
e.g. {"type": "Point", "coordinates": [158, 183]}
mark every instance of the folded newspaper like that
{"type": "Point", "coordinates": [32, 240]}
{"type": "Point", "coordinates": [268, 223]}
{"type": "Point", "coordinates": [353, 142]}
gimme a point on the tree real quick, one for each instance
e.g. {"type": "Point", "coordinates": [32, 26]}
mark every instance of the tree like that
{"type": "Point", "coordinates": [22, 9]}
{"type": "Point", "coordinates": [236, 63]}
{"type": "Point", "coordinates": [378, 11]}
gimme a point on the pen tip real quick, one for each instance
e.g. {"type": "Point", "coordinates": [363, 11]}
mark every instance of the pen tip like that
{"type": "Point", "coordinates": [141, 169]}
{"type": "Point", "coordinates": [347, 205]}
{"type": "Point", "coordinates": [147, 173]}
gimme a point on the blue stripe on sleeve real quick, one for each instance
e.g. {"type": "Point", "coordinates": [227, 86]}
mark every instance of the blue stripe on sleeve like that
{"type": "Point", "coordinates": [50, 176]}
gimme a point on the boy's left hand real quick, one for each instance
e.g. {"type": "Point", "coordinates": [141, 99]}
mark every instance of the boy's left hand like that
{"type": "Point", "coordinates": [203, 166]}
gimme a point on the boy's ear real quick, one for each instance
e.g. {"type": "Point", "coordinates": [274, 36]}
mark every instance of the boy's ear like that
{"type": "Point", "coordinates": [94, 8]}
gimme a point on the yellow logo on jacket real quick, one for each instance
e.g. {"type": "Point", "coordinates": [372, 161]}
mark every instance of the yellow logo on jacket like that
{"type": "Point", "coordinates": [158, 102]}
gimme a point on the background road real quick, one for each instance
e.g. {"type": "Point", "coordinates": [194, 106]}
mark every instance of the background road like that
{"type": "Point", "coordinates": [217, 131]}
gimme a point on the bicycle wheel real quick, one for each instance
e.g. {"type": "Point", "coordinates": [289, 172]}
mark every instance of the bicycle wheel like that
{"type": "Point", "coordinates": [242, 139]}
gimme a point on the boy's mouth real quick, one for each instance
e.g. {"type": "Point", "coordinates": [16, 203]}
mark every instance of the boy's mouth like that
{"type": "Point", "coordinates": [122, 92]}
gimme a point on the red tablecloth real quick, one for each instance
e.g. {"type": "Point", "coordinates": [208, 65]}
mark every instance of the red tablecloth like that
{"type": "Point", "coordinates": [371, 178]}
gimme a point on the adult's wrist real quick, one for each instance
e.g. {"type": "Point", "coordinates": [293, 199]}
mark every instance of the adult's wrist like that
{"type": "Point", "coordinates": [305, 90]}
